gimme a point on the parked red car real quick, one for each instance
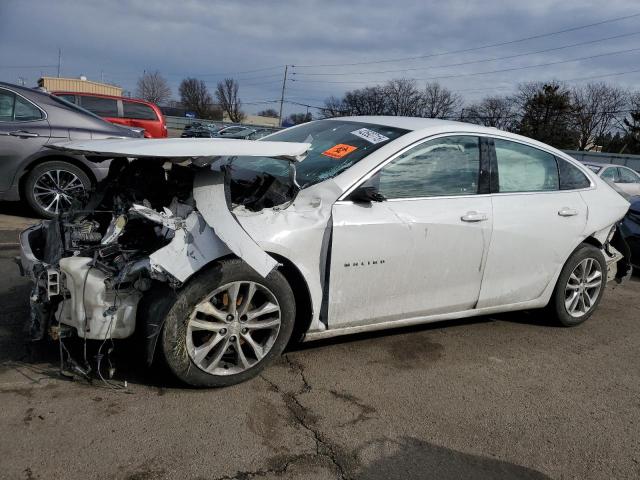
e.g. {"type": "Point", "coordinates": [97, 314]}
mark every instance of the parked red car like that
{"type": "Point", "coordinates": [130, 112]}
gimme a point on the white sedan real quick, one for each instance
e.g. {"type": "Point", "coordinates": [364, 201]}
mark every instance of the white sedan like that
{"type": "Point", "coordinates": [624, 178]}
{"type": "Point", "coordinates": [222, 251]}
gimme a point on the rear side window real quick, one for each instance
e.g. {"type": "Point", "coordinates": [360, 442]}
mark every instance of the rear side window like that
{"type": "Point", "coordinates": [628, 176]}
{"type": "Point", "coordinates": [14, 108]}
{"type": "Point", "coordinates": [138, 111]}
{"type": "Point", "coordinates": [571, 177]}
{"type": "Point", "coordinates": [442, 167]}
{"type": "Point", "coordinates": [104, 107]}
{"type": "Point", "coordinates": [610, 174]}
{"type": "Point", "coordinates": [525, 169]}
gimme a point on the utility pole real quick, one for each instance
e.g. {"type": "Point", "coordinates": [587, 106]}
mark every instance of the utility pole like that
{"type": "Point", "coordinates": [59, 61]}
{"type": "Point", "coordinates": [284, 83]}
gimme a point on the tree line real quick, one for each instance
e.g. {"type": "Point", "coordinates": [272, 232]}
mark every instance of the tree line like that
{"type": "Point", "coordinates": [592, 116]}
{"type": "Point", "coordinates": [195, 97]}
{"type": "Point", "coordinates": [581, 117]}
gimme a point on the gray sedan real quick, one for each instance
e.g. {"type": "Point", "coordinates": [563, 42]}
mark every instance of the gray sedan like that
{"type": "Point", "coordinates": [48, 180]}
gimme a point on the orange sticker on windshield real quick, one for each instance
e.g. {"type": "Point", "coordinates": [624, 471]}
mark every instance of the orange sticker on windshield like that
{"type": "Point", "coordinates": [339, 151]}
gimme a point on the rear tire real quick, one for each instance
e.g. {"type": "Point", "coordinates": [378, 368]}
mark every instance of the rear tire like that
{"type": "Point", "coordinates": [210, 340]}
{"type": "Point", "coordinates": [580, 286]}
{"type": "Point", "coordinates": [51, 186]}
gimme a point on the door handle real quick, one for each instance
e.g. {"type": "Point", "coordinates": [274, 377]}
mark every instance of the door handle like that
{"type": "Point", "coordinates": [567, 212]}
{"type": "Point", "coordinates": [23, 134]}
{"type": "Point", "coordinates": [474, 217]}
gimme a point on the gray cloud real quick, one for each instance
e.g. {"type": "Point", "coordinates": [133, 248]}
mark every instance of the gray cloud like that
{"type": "Point", "coordinates": [119, 39]}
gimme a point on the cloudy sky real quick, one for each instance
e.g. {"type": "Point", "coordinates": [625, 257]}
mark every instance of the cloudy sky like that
{"type": "Point", "coordinates": [334, 45]}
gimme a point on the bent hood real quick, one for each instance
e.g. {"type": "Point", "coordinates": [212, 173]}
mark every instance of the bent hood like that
{"type": "Point", "coordinates": [206, 150]}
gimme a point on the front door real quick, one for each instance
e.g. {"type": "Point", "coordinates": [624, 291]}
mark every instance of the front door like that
{"type": "Point", "coordinates": [420, 252]}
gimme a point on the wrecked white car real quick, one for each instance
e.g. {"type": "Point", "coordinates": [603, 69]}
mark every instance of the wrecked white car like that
{"type": "Point", "coordinates": [221, 251]}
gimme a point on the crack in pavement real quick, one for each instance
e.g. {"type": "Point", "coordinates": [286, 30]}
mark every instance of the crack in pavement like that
{"type": "Point", "coordinates": [304, 418]}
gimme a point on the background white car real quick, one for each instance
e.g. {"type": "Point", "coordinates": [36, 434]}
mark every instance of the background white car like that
{"type": "Point", "coordinates": [328, 228]}
{"type": "Point", "coordinates": [626, 179]}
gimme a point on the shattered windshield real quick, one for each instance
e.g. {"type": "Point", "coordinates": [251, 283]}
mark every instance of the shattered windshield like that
{"type": "Point", "coordinates": [335, 146]}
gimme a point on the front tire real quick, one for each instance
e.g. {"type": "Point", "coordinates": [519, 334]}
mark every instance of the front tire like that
{"type": "Point", "coordinates": [227, 324]}
{"type": "Point", "coordinates": [580, 286]}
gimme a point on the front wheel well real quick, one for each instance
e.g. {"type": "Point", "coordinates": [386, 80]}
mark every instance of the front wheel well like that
{"type": "Point", "coordinates": [301, 294]}
{"type": "Point", "coordinates": [53, 158]}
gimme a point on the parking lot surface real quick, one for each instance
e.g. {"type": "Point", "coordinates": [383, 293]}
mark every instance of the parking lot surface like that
{"type": "Point", "coordinates": [508, 397]}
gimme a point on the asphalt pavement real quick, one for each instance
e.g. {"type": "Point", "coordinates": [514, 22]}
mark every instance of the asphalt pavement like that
{"type": "Point", "coordinates": [506, 397]}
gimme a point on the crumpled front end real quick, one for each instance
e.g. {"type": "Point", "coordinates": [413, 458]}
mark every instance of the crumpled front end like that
{"type": "Point", "coordinates": [91, 268]}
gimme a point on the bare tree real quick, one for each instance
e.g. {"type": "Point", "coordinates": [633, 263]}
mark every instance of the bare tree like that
{"type": "Point", "coordinates": [438, 101]}
{"type": "Point", "coordinates": [153, 88]}
{"type": "Point", "coordinates": [269, 112]}
{"type": "Point", "coordinates": [496, 112]}
{"type": "Point", "coordinates": [333, 107]}
{"type": "Point", "coordinates": [596, 109]}
{"type": "Point", "coordinates": [366, 101]}
{"type": "Point", "coordinates": [195, 97]}
{"type": "Point", "coordinates": [227, 95]}
{"type": "Point", "coordinates": [402, 97]}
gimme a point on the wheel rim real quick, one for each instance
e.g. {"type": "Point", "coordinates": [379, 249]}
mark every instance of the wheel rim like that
{"type": "Point", "coordinates": [54, 190]}
{"type": "Point", "coordinates": [583, 287]}
{"type": "Point", "coordinates": [233, 328]}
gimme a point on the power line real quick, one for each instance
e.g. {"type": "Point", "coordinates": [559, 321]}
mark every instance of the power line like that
{"type": "Point", "coordinates": [28, 66]}
{"type": "Point", "coordinates": [472, 49]}
{"type": "Point", "coordinates": [506, 57]}
{"type": "Point", "coordinates": [457, 75]}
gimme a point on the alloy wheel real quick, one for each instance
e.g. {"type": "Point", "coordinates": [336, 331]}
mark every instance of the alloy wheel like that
{"type": "Point", "coordinates": [233, 328]}
{"type": "Point", "coordinates": [55, 190]}
{"type": "Point", "coordinates": [583, 287]}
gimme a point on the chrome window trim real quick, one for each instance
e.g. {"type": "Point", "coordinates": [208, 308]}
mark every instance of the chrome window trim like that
{"type": "Point", "coordinates": [44, 113]}
{"type": "Point", "coordinates": [341, 200]}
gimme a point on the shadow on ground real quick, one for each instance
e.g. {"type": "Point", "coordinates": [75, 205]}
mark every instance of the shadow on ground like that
{"type": "Point", "coordinates": [415, 458]}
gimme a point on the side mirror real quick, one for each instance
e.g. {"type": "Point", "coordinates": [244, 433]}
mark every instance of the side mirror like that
{"type": "Point", "coordinates": [366, 194]}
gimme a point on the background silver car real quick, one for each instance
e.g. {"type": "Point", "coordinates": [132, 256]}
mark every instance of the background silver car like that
{"type": "Point", "coordinates": [47, 179]}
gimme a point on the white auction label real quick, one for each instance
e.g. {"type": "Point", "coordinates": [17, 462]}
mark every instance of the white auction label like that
{"type": "Point", "coordinates": [370, 136]}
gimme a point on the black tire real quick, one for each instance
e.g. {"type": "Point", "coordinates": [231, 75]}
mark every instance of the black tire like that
{"type": "Point", "coordinates": [174, 332]}
{"type": "Point", "coordinates": [557, 306]}
{"type": "Point", "coordinates": [43, 168]}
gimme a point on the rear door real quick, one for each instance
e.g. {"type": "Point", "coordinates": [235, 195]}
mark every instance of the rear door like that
{"type": "Point", "coordinates": [537, 222]}
{"type": "Point", "coordinates": [420, 252]}
{"type": "Point", "coordinates": [24, 130]}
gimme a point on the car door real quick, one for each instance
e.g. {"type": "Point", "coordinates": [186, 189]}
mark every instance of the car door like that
{"type": "Point", "coordinates": [628, 181]}
{"type": "Point", "coordinates": [536, 223]}
{"type": "Point", "coordinates": [420, 252]}
{"type": "Point", "coordinates": [24, 130]}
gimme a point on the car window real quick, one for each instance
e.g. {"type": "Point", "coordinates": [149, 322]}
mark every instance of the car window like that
{"type": "Point", "coordinates": [628, 176]}
{"type": "Point", "coordinates": [14, 108]}
{"type": "Point", "coordinates": [7, 100]}
{"type": "Point", "coordinates": [68, 98]}
{"type": "Point", "coordinates": [525, 169]}
{"type": "Point", "coordinates": [138, 111]}
{"type": "Point", "coordinates": [610, 174]}
{"type": "Point", "coordinates": [571, 177]}
{"type": "Point", "coordinates": [441, 167]}
{"type": "Point", "coordinates": [104, 107]}
{"type": "Point", "coordinates": [26, 111]}
{"type": "Point", "coordinates": [593, 168]}
{"type": "Point", "coordinates": [336, 145]}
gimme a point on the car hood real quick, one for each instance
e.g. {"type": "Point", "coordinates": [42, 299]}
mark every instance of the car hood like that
{"type": "Point", "coordinates": [179, 149]}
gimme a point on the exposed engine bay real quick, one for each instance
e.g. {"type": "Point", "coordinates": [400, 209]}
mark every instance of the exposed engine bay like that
{"type": "Point", "coordinates": [92, 265]}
